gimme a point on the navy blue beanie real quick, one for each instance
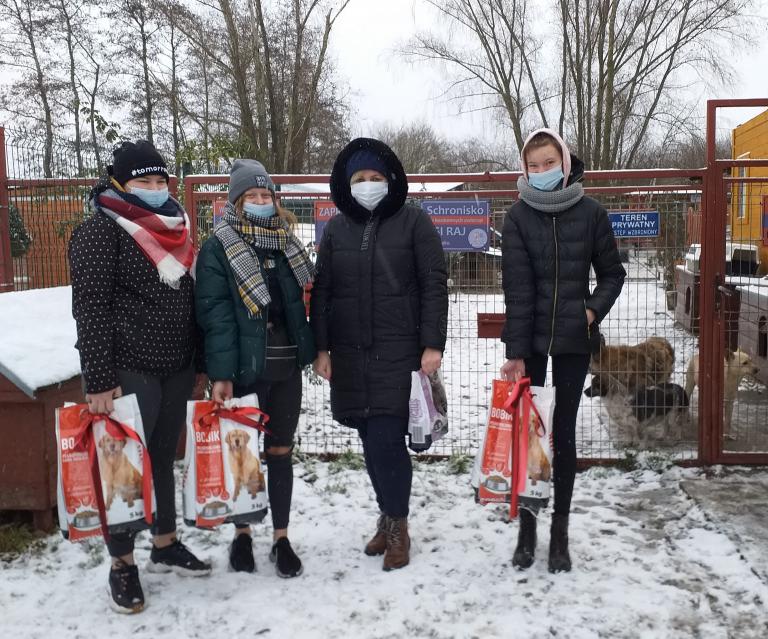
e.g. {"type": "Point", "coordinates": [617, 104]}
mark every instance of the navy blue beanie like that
{"type": "Point", "coordinates": [363, 160]}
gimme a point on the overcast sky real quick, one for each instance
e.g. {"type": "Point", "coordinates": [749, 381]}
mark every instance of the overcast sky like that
{"type": "Point", "coordinates": [385, 88]}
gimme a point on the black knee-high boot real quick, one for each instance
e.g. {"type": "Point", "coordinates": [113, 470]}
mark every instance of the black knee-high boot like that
{"type": "Point", "coordinates": [559, 558]}
{"type": "Point", "coordinates": [526, 540]}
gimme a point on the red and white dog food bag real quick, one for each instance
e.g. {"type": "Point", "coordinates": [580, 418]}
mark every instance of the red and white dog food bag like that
{"type": "Point", "coordinates": [223, 473]}
{"type": "Point", "coordinates": [104, 471]}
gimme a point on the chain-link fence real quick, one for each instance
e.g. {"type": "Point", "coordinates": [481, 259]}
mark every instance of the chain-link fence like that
{"type": "Point", "coordinates": [46, 199]}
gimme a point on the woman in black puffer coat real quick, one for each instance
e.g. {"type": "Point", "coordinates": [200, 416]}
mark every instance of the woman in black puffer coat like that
{"type": "Point", "coordinates": [551, 238]}
{"type": "Point", "coordinates": [379, 311]}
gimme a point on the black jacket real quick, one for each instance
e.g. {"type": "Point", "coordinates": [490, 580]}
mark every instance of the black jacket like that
{"type": "Point", "coordinates": [126, 317]}
{"type": "Point", "coordinates": [380, 295]}
{"type": "Point", "coordinates": [546, 259]}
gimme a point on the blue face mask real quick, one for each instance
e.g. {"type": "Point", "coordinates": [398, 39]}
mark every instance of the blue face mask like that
{"type": "Point", "coordinates": [153, 198]}
{"type": "Point", "coordinates": [255, 211]}
{"type": "Point", "coordinates": [548, 180]}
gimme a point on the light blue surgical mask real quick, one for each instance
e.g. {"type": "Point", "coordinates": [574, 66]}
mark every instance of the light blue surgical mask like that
{"type": "Point", "coordinates": [548, 180]}
{"type": "Point", "coordinates": [151, 197]}
{"type": "Point", "coordinates": [258, 211]}
{"type": "Point", "coordinates": [369, 194]}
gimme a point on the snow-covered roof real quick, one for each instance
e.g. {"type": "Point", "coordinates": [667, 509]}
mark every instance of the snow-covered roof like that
{"type": "Point", "coordinates": [37, 348]}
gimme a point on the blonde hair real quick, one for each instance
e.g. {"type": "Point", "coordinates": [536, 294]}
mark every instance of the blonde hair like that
{"type": "Point", "coordinates": [288, 216]}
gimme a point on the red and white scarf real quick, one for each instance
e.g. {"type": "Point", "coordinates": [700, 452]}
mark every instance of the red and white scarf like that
{"type": "Point", "coordinates": [165, 240]}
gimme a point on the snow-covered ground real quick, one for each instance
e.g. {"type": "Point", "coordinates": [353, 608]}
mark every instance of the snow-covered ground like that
{"type": "Point", "coordinates": [649, 563]}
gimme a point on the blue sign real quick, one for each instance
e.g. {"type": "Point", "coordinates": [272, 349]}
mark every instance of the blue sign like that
{"type": "Point", "coordinates": [635, 223]}
{"type": "Point", "coordinates": [462, 224]}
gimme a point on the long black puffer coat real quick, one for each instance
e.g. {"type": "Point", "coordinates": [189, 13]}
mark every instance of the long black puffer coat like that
{"type": "Point", "coordinates": [546, 258]}
{"type": "Point", "coordinates": [380, 296]}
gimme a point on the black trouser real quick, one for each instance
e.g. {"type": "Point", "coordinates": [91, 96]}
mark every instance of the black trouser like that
{"type": "Point", "coordinates": [163, 405]}
{"type": "Point", "coordinates": [281, 400]}
{"type": "Point", "coordinates": [387, 461]}
{"type": "Point", "coordinates": [568, 374]}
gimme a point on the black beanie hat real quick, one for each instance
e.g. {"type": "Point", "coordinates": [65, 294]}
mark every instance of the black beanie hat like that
{"type": "Point", "coordinates": [365, 159]}
{"type": "Point", "coordinates": [136, 159]}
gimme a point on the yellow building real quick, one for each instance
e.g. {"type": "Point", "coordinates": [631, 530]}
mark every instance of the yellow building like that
{"type": "Point", "coordinates": [749, 200]}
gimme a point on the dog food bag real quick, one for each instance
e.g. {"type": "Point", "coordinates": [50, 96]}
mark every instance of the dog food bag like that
{"type": "Point", "coordinates": [494, 479]}
{"type": "Point", "coordinates": [535, 411]}
{"type": "Point", "coordinates": [104, 471]}
{"type": "Point", "coordinates": [428, 409]}
{"type": "Point", "coordinates": [223, 475]}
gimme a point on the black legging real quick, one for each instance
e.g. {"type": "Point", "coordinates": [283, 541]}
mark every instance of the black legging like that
{"type": "Point", "coordinates": [568, 374]}
{"type": "Point", "coordinates": [281, 400]}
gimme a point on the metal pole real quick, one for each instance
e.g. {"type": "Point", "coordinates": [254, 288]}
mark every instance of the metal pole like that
{"type": "Point", "coordinates": [6, 260]}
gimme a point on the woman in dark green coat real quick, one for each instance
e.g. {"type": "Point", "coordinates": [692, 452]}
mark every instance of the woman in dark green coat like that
{"type": "Point", "coordinates": [249, 303]}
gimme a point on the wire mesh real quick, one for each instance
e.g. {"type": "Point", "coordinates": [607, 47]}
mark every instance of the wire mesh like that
{"type": "Point", "coordinates": [47, 199]}
{"type": "Point", "coordinates": [650, 306]}
{"type": "Point", "coordinates": [745, 307]}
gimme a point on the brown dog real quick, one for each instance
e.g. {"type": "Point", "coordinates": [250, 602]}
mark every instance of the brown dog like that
{"type": "Point", "coordinates": [245, 466]}
{"type": "Point", "coordinates": [634, 367]}
{"type": "Point", "coordinates": [117, 472]}
{"type": "Point", "coordinates": [737, 366]}
{"type": "Point", "coordinates": [539, 468]}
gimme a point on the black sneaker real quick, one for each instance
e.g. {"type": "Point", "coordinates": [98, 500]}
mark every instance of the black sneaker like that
{"type": "Point", "coordinates": [241, 554]}
{"type": "Point", "coordinates": [125, 589]}
{"type": "Point", "coordinates": [287, 563]}
{"type": "Point", "coordinates": [177, 558]}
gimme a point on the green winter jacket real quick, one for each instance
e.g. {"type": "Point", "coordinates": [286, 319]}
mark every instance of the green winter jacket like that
{"type": "Point", "coordinates": [235, 343]}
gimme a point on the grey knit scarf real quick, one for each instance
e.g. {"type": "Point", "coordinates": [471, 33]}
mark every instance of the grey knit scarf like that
{"type": "Point", "coordinates": [550, 201]}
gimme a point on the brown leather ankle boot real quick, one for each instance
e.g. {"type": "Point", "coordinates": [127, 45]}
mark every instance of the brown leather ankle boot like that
{"type": "Point", "coordinates": [378, 543]}
{"type": "Point", "coordinates": [398, 543]}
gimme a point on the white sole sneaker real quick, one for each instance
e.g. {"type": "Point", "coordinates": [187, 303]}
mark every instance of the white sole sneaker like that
{"type": "Point", "coordinates": [121, 609]}
{"type": "Point", "coordinates": [160, 569]}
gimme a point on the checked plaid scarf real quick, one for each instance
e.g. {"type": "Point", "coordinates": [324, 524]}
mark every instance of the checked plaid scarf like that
{"type": "Point", "coordinates": [239, 237]}
{"type": "Point", "coordinates": [165, 240]}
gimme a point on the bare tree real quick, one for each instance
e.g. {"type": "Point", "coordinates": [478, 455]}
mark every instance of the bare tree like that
{"type": "Point", "coordinates": [22, 49]}
{"type": "Point", "coordinates": [420, 148]}
{"type": "Point", "coordinates": [134, 22]}
{"type": "Point", "coordinates": [494, 53]}
{"type": "Point", "coordinates": [618, 75]}
{"type": "Point", "coordinates": [71, 16]}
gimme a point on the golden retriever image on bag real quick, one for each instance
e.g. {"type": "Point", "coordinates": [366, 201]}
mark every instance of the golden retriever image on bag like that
{"type": "Point", "coordinates": [245, 466]}
{"type": "Point", "coordinates": [119, 475]}
{"type": "Point", "coordinates": [635, 367]}
{"type": "Point", "coordinates": [539, 468]}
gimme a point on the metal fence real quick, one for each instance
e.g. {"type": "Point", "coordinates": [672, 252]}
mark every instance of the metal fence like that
{"type": "Point", "coordinates": [646, 308]}
{"type": "Point", "coordinates": [44, 193]}
{"type": "Point", "coordinates": [668, 295]}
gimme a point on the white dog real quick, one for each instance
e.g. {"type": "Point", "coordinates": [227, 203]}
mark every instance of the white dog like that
{"type": "Point", "coordinates": [737, 366]}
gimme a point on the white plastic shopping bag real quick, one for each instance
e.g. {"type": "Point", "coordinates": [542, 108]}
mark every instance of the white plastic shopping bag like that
{"type": "Point", "coordinates": [427, 410]}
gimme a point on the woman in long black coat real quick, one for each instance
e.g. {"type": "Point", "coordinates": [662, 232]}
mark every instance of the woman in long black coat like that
{"type": "Point", "coordinates": [552, 237]}
{"type": "Point", "coordinates": [379, 311]}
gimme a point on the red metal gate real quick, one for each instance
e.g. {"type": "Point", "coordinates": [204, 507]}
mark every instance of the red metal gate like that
{"type": "Point", "coordinates": [732, 429]}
